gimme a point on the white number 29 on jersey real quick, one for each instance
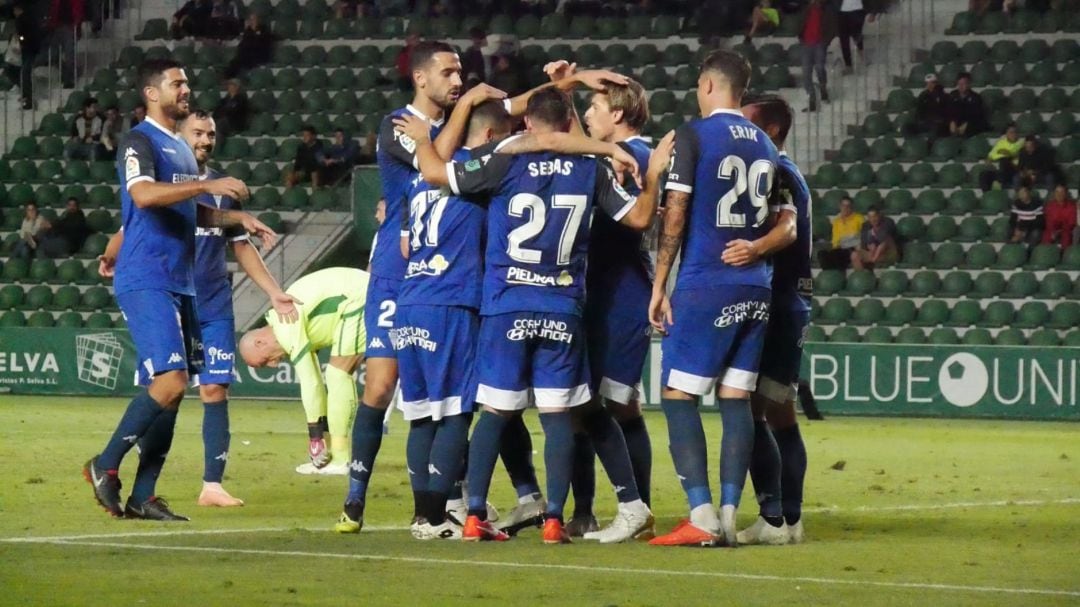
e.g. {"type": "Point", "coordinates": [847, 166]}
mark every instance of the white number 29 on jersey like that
{"type": "Point", "coordinates": [757, 181]}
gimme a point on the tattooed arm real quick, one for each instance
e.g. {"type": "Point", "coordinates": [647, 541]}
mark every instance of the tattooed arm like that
{"type": "Point", "coordinates": [676, 206]}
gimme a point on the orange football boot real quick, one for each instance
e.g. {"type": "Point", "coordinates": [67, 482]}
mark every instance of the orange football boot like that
{"type": "Point", "coordinates": [686, 534]}
{"type": "Point", "coordinates": [477, 530]}
{"type": "Point", "coordinates": [554, 532]}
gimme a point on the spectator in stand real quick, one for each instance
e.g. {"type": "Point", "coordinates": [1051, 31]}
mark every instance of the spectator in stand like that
{"type": "Point", "coordinates": [403, 58]}
{"type": "Point", "coordinates": [112, 129]}
{"type": "Point", "coordinates": [1026, 219]}
{"type": "Point", "coordinates": [32, 229]}
{"type": "Point", "coordinates": [65, 19]}
{"type": "Point", "coordinates": [852, 18]}
{"type": "Point", "coordinates": [967, 113]}
{"type": "Point", "coordinates": [931, 110]}
{"type": "Point", "coordinates": [763, 20]}
{"type": "Point", "coordinates": [1003, 155]}
{"type": "Point", "coordinates": [473, 63]}
{"type": "Point", "coordinates": [193, 19]}
{"type": "Point", "coordinates": [256, 47]}
{"type": "Point", "coordinates": [346, 9]}
{"type": "Point", "coordinates": [23, 50]}
{"type": "Point", "coordinates": [877, 243]}
{"type": "Point", "coordinates": [1035, 165]}
{"type": "Point", "coordinates": [233, 112]}
{"type": "Point", "coordinates": [224, 20]}
{"type": "Point", "coordinates": [817, 28]}
{"type": "Point", "coordinates": [306, 162]}
{"type": "Point", "coordinates": [67, 235]}
{"type": "Point", "coordinates": [504, 76]}
{"type": "Point", "coordinates": [85, 141]}
{"type": "Point", "coordinates": [337, 160]}
{"type": "Point", "coordinates": [138, 114]}
{"type": "Point", "coordinates": [846, 233]}
{"type": "Point", "coordinates": [1060, 218]}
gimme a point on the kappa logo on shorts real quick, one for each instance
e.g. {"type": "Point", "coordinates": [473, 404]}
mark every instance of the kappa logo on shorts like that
{"type": "Point", "coordinates": [175, 358]}
{"type": "Point", "coordinates": [741, 312]}
{"type": "Point", "coordinates": [376, 343]}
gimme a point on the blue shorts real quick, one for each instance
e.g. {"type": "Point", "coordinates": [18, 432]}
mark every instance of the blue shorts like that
{"type": "Point", "coordinates": [782, 356]}
{"type": "Point", "coordinates": [618, 347]}
{"type": "Point", "coordinates": [165, 329]}
{"type": "Point", "coordinates": [379, 309]}
{"type": "Point", "coordinates": [436, 352]}
{"type": "Point", "coordinates": [219, 352]}
{"type": "Point", "coordinates": [532, 357]}
{"type": "Point", "coordinates": [717, 337]}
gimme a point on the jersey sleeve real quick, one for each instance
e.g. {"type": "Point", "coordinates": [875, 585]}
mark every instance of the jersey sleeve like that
{"type": "Point", "coordinates": [683, 161]}
{"type": "Point", "coordinates": [312, 386]}
{"type": "Point", "coordinates": [236, 233]}
{"type": "Point", "coordinates": [481, 175]}
{"type": "Point", "coordinates": [782, 197]}
{"type": "Point", "coordinates": [609, 195]}
{"type": "Point", "coordinates": [138, 159]}
{"type": "Point", "coordinates": [396, 144]}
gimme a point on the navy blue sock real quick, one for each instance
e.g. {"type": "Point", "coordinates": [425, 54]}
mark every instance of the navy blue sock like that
{"type": "Point", "coordinates": [516, 452]}
{"type": "Point", "coordinates": [417, 455]}
{"type": "Point", "coordinates": [736, 447]}
{"type": "Point", "coordinates": [215, 436]}
{"type": "Point", "coordinates": [447, 457]}
{"type": "Point", "coordinates": [765, 470]}
{"type": "Point", "coordinates": [792, 471]}
{"type": "Point", "coordinates": [140, 413]}
{"type": "Point", "coordinates": [153, 448]}
{"type": "Point", "coordinates": [686, 440]}
{"type": "Point", "coordinates": [610, 447]}
{"type": "Point", "coordinates": [483, 451]}
{"type": "Point", "coordinates": [583, 480]}
{"type": "Point", "coordinates": [558, 459]}
{"type": "Point", "coordinates": [366, 440]}
{"type": "Point", "coordinates": [639, 446]}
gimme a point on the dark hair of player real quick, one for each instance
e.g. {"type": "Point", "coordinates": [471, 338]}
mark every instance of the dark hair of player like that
{"type": "Point", "coordinates": [490, 114]}
{"type": "Point", "coordinates": [631, 99]}
{"type": "Point", "coordinates": [774, 110]}
{"type": "Point", "coordinates": [425, 51]}
{"type": "Point", "coordinates": [151, 71]}
{"type": "Point", "coordinates": [732, 66]}
{"type": "Point", "coordinates": [550, 106]}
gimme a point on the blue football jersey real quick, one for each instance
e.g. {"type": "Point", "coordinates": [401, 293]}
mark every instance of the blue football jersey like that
{"type": "Point", "coordinates": [159, 242]}
{"type": "Point", "coordinates": [792, 284]}
{"type": "Point", "coordinates": [396, 156]}
{"type": "Point", "coordinates": [213, 283]}
{"type": "Point", "coordinates": [446, 245]}
{"type": "Point", "coordinates": [727, 165]}
{"type": "Point", "coordinates": [620, 275]}
{"type": "Point", "coordinates": [538, 226]}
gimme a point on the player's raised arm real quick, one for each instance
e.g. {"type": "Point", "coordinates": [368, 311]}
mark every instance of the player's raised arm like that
{"type": "Point", "coordinates": [641, 215]}
{"type": "Point", "coordinates": [253, 265]}
{"type": "Point", "coordinates": [475, 176]}
{"type": "Point", "coordinates": [783, 233]}
{"type": "Point", "coordinates": [451, 135]}
{"type": "Point", "coordinates": [222, 218]}
{"type": "Point", "coordinates": [569, 143]}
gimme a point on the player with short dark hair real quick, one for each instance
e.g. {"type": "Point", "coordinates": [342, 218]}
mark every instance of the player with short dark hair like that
{"type": "Point", "coordinates": [154, 284]}
{"type": "Point", "coordinates": [534, 293]}
{"type": "Point", "coordinates": [717, 200]}
{"type": "Point", "coordinates": [778, 465]}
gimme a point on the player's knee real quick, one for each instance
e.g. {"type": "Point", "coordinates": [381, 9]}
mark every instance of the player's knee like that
{"type": "Point", "coordinates": [782, 416]}
{"type": "Point", "coordinates": [380, 382]}
{"type": "Point", "coordinates": [501, 413]}
{"type": "Point", "coordinates": [168, 388]}
{"type": "Point", "coordinates": [733, 393]}
{"type": "Point", "coordinates": [624, 413]}
{"type": "Point", "coordinates": [213, 393]}
{"type": "Point", "coordinates": [759, 405]}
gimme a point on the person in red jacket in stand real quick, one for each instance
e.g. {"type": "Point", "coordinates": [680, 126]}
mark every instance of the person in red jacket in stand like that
{"type": "Point", "coordinates": [1060, 218]}
{"type": "Point", "coordinates": [65, 18]}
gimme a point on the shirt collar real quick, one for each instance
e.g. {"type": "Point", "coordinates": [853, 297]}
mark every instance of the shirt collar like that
{"type": "Point", "coordinates": [725, 111]}
{"type": "Point", "coordinates": [159, 126]}
{"type": "Point", "coordinates": [637, 138]}
{"type": "Point", "coordinates": [417, 112]}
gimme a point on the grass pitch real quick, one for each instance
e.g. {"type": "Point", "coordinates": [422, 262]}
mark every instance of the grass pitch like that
{"type": "Point", "coordinates": [928, 512]}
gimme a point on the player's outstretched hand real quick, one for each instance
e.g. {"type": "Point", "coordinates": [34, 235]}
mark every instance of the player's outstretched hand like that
{"type": "Point", "coordinates": [660, 159]}
{"type": "Point", "coordinates": [557, 70]}
{"type": "Point", "coordinates": [260, 230]}
{"type": "Point", "coordinates": [414, 128]}
{"type": "Point", "coordinates": [740, 253]}
{"type": "Point", "coordinates": [285, 306]}
{"type": "Point", "coordinates": [660, 316]}
{"type": "Point", "coordinates": [598, 80]}
{"type": "Point", "coordinates": [228, 186]}
{"type": "Point", "coordinates": [106, 266]}
{"type": "Point", "coordinates": [481, 93]}
{"type": "Point", "coordinates": [624, 164]}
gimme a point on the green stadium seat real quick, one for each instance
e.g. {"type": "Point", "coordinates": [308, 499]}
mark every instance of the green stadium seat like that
{"type": "Point", "coordinates": [884, 149]}
{"type": "Point", "coordinates": [289, 125]}
{"type": "Point", "coordinates": [49, 196]}
{"type": "Point", "coordinates": [943, 336]}
{"type": "Point", "coordinates": [860, 282]}
{"type": "Point", "coordinates": [1070, 74]}
{"type": "Point", "coordinates": [977, 337]}
{"type": "Point", "coordinates": [890, 175]}
{"type": "Point", "coordinates": [11, 296]}
{"type": "Point", "coordinates": [775, 78]}
{"type": "Point", "coordinates": [899, 312]}
{"type": "Point", "coordinates": [12, 319]}
{"type": "Point", "coordinates": [917, 75]}
{"type": "Point", "coordinates": [911, 228]}
{"type": "Point", "coordinates": [1010, 337]}
{"type": "Point", "coordinates": [925, 283]}
{"type": "Point", "coordinates": [103, 172]}
{"type": "Point", "coordinates": [69, 320]}
{"type": "Point", "coordinates": [827, 282]}
{"type": "Point", "coordinates": [952, 175]}
{"type": "Point", "coordinates": [234, 148]}
{"type": "Point", "coordinates": [1034, 50]}
{"type": "Point", "coordinates": [974, 149]}
{"type": "Point", "coordinates": [831, 200]}
{"type": "Point", "coordinates": [962, 23]}
{"type": "Point", "coordinates": [316, 102]}
{"type": "Point", "coordinates": [857, 176]}
{"type": "Point", "coordinates": [867, 312]}
{"type": "Point", "coordinates": [961, 202]}
{"type": "Point", "coordinates": [932, 313]}
{"type": "Point", "coordinates": [1043, 73]}
{"type": "Point", "coordinates": [994, 202]}
{"type": "Point", "coordinates": [892, 283]}
{"type": "Point", "coordinates": [1031, 315]}
{"type": "Point", "coordinates": [1011, 256]}
{"type": "Point", "coordinates": [287, 149]}
{"type": "Point", "coordinates": [294, 199]}
{"type": "Point", "coordinates": [836, 311]}
{"type": "Point", "coordinates": [1055, 285]}
{"type": "Point", "coordinates": [989, 285]}
{"type": "Point", "coordinates": [965, 313]}
{"type": "Point", "coordinates": [921, 175]}
{"type": "Point", "coordinates": [956, 284]}
{"type": "Point", "coordinates": [899, 201]}
{"type": "Point", "coordinates": [40, 320]}
{"type": "Point", "coordinates": [98, 321]}
{"type": "Point", "coordinates": [265, 173]}
{"type": "Point", "coordinates": [940, 229]}
{"type": "Point", "coordinates": [50, 170]}
{"type": "Point", "coordinates": [914, 149]}
{"type": "Point", "coordinates": [945, 149]}
{"type": "Point", "coordinates": [314, 79]}
{"type": "Point", "coordinates": [94, 245]}
{"type": "Point", "coordinates": [910, 336]}
{"type": "Point", "coordinates": [1070, 260]}
{"type": "Point", "coordinates": [1045, 338]}
{"type": "Point", "coordinates": [1065, 315]}
{"type": "Point", "coordinates": [1021, 284]}
{"type": "Point", "coordinates": [155, 29]}
{"type": "Point", "coordinates": [877, 125]}
{"type": "Point", "coordinates": [100, 220]}
{"type": "Point", "coordinates": [1061, 124]}
{"type": "Point", "coordinates": [930, 202]}
{"type": "Point", "coordinates": [877, 335]}
{"type": "Point", "coordinates": [814, 333]}
{"type": "Point", "coordinates": [37, 297]}
{"type": "Point", "coordinates": [96, 299]}
{"type": "Point", "coordinates": [944, 52]}
{"type": "Point", "coordinates": [1012, 73]}
{"type": "Point", "coordinates": [853, 150]}
{"type": "Point", "coordinates": [67, 297]}
{"type": "Point", "coordinates": [1044, 257]}
{"type": "Point", "coordinates": [69, 271]}
{"type": "Point", "coordinates": [20, 194]}
{"type": "Point", "coordinates": [662, 102]}
{"type": "Point", "coordinates": [828, 175]}
{"type": "Point", "coordinates": [42, 270]}
{"type": "Point", "coordinates": [289, 77]}
{"type": "Point", "coordinates": [848, 335]}
{"type": "Point", "coordinates": [1029, 123]}
{"type": "Point", "coordinates": [239, 170]}
{"type": "Point", "coordinates": [284, 55]}
{"type": "Point", "coordinates": [984, 74]}
{"type": "Point", "coordinates": [916, 255]}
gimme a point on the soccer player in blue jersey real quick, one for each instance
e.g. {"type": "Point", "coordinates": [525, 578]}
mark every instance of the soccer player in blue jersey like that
{"type": "Point", "coordinates": [778, 465]}
{"type": "Point", "coordinates": [717, 192]}
{"type": "Point", "coordinates": [533, 295]}
{"type": "Point", "coordinates": [213, 301]}
{"type": "Point", "coordinates": [154, 284]}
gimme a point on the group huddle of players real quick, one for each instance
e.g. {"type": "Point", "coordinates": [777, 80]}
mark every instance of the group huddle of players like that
{"type": "Point", "coordinates": [511, 271]}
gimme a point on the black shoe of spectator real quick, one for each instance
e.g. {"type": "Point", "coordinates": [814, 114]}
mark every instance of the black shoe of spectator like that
{"type": "Point", "coordinates": [824, 95]}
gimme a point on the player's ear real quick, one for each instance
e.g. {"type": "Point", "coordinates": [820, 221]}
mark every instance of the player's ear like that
{"type": "Point", "coordinates": [616, 116]}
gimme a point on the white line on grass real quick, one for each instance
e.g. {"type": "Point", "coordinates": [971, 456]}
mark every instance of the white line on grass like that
{"type": "Point", "coordinates": [379, 528]}
{"type": "Point", "coordinates": [584, 568]}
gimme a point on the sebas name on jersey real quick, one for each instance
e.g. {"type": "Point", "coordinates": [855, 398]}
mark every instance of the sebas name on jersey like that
{"type": "Point", "coordinates": [551, 167]}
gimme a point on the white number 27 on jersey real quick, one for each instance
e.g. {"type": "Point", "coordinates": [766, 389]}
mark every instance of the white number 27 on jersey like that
{"type": "Point", "coordinates": [537, 211]}
{"type": "Point", "coordinates": [757, 181]}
